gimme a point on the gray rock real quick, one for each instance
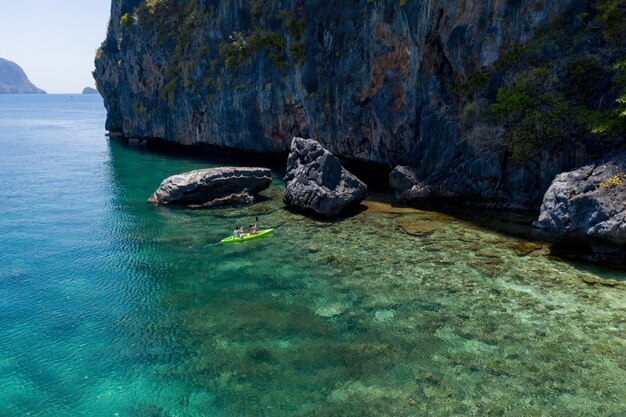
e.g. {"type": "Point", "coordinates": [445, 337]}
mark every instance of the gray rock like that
{"type": "Point", "coordinates": [213, 187]}
{"type": "Point", "coordinates": [408, 187]}
{"type": "Point", "coordinates": [588, 202]}
{"type": "Point", "coordinates": [90, 90]}
{"type": "Point", "coordinates": [238, 199]}
{"type": "Point", "coordinates": [316, 180]}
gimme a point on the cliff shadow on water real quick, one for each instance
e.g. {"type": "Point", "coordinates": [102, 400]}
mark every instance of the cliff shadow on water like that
{"type": "Point", "coordinates": [375, 175]}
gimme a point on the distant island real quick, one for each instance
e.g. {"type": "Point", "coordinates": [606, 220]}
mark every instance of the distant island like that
{"type": "Point", "coordinates": [89, 90]}
{"type": "Point", "coordinates": [13, 80]}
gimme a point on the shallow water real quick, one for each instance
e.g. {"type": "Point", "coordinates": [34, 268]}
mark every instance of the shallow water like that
{"type": "Point", "coordinates": [110, 306]}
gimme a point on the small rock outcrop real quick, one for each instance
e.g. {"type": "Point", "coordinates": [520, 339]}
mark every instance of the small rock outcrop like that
{"type": "Point", "coordinates": [213, 187]}
{"type": "Point", "coordinates": [407, 186]}
{"type": "Point", "coordinates": [316, 180]}
{"type": "Point", "coordinates": [89, 90]}
{"type": "Point", "coordinates": [588, 203]}
{"type": "Point", "coordinates": [13, 80]}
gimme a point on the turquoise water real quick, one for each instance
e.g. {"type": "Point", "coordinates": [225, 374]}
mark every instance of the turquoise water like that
{"type": "Point", "coordinates": [112, 307]}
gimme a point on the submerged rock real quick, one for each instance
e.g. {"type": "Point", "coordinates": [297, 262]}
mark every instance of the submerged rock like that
{"type": "Point", "coordinates": [588, 202]}
{"type": "Point", "coordinates": [316, 180]}
{"type": "Point", "coordinates": [213, 187]}
{"type": "Point", "coordinates": [418, 227]}
{"type": "Point", "coordinates": [593, 280]}
{"type": "Point", "coordinates": [525, 248]}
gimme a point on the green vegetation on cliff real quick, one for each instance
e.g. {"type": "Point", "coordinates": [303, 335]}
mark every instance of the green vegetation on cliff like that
{"type": "Point", "coordinates": [568, 82]}
{"type": "Point", "coordinates": [275, 43]}
{"type": "Point", "coordinates": [181, 29]}
{"type": "Point", "coordinates": [550, 91]}
{"type": "Point", "coordinates": [239, 47]}
{"type": "Point", "coordinates": [489, 102]}
{"type": "Point", "coordinates": [533, 112]}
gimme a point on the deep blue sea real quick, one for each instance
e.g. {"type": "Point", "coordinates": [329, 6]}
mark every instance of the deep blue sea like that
{"type": "Point", "coordinates": [110, 306]}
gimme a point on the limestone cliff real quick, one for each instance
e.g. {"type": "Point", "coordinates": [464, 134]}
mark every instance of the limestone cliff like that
{"type": "Point", "coordinates": [13, 80]}
{"type": "Point", "coordinates": [388, 81]}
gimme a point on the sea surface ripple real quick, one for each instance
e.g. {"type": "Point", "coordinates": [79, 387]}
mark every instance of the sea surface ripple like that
{"type": "Point", "coordinates": [113, 307]}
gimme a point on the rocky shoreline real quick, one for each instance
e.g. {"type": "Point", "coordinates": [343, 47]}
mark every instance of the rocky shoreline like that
{"type": "Point", "coordinates": [585, 241]}
{"type": "Point", "coordinates": [478, 103]}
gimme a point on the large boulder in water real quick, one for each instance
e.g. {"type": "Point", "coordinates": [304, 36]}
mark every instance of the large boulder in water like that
{"type": "Point", "coordinates": [589, 203]}
{"type": "Point", "coordinates": [316, 180]}
{"type": "Point", "coordinates": [213, 186]}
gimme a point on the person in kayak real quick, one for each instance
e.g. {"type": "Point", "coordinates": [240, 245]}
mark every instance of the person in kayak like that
{"type": "Point", "coordinates": [252, 229]}
{"type": "Point", "coordinates": [238, 232]}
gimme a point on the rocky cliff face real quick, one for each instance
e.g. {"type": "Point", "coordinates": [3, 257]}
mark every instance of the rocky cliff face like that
{"type": "Point", "coordinates": [13, 80]}
{"type": "Point", "coordinates": [372, 80]}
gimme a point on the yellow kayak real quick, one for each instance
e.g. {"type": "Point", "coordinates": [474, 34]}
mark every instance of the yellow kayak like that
{"type": "Point", "coordinates": [247, 236]}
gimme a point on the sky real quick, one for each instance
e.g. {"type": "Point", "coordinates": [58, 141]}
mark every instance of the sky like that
{"type": "Point", "coordinates": [54, 41]}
